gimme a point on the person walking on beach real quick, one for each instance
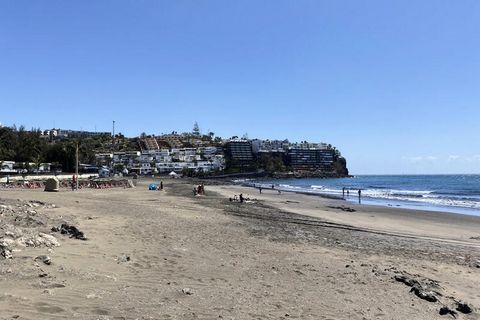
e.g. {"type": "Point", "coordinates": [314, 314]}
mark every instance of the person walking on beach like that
{"type": "Point", "coordinates": [359, 196]}
{"type": "Point", "coordinates": [343, 192]}
{"type": "Point", "coordinates": [74, 182]}
{"type": "Point", "coordinates": [161, 185]}
{"type": "Point", "coordinates": [260, 189]}
{"type": "Point", "coordinates": [241, 197]}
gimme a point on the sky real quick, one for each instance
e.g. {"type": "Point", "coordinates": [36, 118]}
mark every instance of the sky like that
{"type": "Point", "coordinates": [394, 85]}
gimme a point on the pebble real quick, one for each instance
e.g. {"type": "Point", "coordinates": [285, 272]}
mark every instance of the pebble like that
{"type": "Point", "coordinates": [187, 291]}
{"type": "Point", "coordinates": [45, 259]}
{"type": "Point", "coordinates": [123, 259]}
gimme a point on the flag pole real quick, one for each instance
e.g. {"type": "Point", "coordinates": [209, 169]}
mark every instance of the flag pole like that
{"type": "Point", "coordinates": [76, 168]}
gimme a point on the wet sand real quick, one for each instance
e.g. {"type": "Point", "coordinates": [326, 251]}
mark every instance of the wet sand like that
{"type": "Point", "coordinates": [170, 255]}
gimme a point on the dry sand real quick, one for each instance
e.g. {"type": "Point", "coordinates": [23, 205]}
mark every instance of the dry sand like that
{"type": "Point", "coordinates": [170, 255]}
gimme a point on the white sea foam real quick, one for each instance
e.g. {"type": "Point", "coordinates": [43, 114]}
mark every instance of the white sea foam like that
{"type": "Point", "coordinates": [419, 196]}
{"type": "Point", "coordinates": [425, 197]}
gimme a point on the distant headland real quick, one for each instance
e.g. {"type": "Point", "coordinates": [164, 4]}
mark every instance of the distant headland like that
{"type": "Point", "coordinates": [189, 153]}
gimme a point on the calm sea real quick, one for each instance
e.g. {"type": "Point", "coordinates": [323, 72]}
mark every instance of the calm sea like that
{"type": "Point", "coordinates": [451, 193]}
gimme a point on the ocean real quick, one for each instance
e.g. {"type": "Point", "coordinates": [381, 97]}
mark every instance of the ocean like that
{"type": "Point", "coordinates": [450, 193]}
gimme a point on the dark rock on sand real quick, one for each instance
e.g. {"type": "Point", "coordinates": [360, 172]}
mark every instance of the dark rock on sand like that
{"type": "Point", "coordinates": [464, 308]}
{"type": "Point", "coordinates": [446, 310]}
{"type": "Point", "coordinates": [424, 294]}
{"type": "Point", "coordinates": [71, 230]}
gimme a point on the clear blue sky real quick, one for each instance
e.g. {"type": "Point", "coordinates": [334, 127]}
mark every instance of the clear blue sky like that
{"type": "Point", "coordinates": [395, 85]}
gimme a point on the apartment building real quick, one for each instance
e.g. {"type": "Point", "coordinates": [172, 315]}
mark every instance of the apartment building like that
{"type": "Point", "coordinates": [311, 159]}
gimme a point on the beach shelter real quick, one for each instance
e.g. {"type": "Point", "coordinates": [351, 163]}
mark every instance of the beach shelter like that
{"type": "Point", "coordinates": [52, 185]}
{"type": "Point", "coordinates": [173, 174]}
{"type": "Point", "coordinates": [152, 186]}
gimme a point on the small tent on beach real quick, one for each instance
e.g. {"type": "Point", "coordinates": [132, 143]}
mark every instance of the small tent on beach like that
{"type": "Point", "coordinates": [152, 186]}
{"type": "Point", "coordinates": [173, 174]}
{"type": "Point", "coordinates": [52, 185]}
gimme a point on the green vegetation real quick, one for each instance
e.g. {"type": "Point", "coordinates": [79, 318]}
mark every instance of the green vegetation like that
{"type": "Point", "coordinates": [20, 145]}
{"type": "Point", "coordinates": [24, 146]}
{"type": "Point", "coordinates": [271, 162]}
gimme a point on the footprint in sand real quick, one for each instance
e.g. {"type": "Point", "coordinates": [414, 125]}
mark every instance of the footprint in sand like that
{"type": "Point", "coordinates": [47, 308]}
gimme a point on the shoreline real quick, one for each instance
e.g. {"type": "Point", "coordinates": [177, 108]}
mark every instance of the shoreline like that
{"type": "Point", "coordinates": [383, 218]}
{"type": "Point", "coordinates": [331, 192]}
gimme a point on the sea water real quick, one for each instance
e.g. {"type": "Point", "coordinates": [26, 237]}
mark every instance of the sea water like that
{"type": "Point", "coordinates": [451, 193]}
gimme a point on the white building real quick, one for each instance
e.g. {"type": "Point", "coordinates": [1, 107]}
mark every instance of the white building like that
{"type": "Point", "coordinates": [204, 159]}
{"type": "Point", "coordinates": [127, 158]}
{"type": "Point", "coordinates": [7, 167]}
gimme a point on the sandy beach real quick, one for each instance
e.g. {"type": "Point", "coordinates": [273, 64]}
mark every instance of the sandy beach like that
{"type": "Point", "coordinates": [172, 255]}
